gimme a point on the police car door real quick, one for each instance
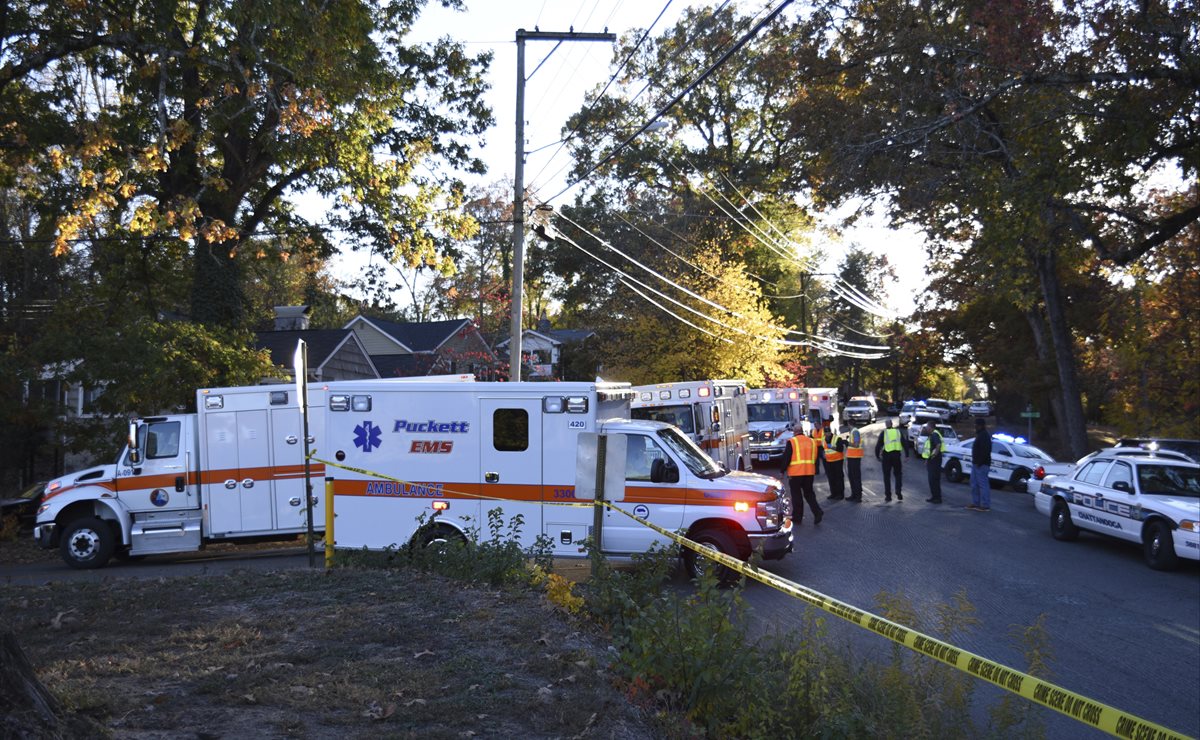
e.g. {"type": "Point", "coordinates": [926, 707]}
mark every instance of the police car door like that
{"type": "Point", "coordinates": [511, 463]}
{"type": "Point", "coordinates": [1115, 502]}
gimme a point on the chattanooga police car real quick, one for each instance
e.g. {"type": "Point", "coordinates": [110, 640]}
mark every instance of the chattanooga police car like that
{"type": "Point", "coordinates": [1153, 501]}
{"type": "Point", "coordinates": [1013, 461]}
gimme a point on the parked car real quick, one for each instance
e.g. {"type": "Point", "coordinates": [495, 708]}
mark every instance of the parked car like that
{"type": "Point", "coordinates": [1189, 447]}
{"type": "Point", "coordinates": [909, 411]}
{"type": "Point", "coordinates": [22, 508]}
{"type": "Point", "coordinates": [1013, 461]}
{"type": "Point", "coordinates": [893, 409]}
{"type": "Point", "coordinates": [933, 410]}
{"type": "Point", "coordinates": [1146, 499]}
{"type": "Point", "coordinates": [956, 410]}
{"type": "Point", "coordinates": [980, 408]}
{"type": "Point", "coordinates": [1042, 472]}
{"type": "Point", "coordinates": [917, 435]}
{"type": "Point", "coordinates": [861, 410]}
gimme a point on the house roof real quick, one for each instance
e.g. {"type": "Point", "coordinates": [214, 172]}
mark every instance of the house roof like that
{"type": "Point", "coordinates": [425, 336]}
{"type": "Point", "coordinates": [404, 366]}
{"type": "Point", "coordinates": [554, 336]}
{"type": "Point", "coordinates": [322, 344]}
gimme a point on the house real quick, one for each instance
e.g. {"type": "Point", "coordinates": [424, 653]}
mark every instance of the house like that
{"type": "Point", "coordinates": [333, 354]}
{"type": "Point", "coordinates": [413, 349]}
{"type": "Point", "coordinates": [542, 348]}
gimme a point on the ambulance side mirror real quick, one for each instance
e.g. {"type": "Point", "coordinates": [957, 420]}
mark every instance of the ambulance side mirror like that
{"type": "Point", "coordinates": [135, 455]}
{"type": "Point", "coordinates": [663, 471]}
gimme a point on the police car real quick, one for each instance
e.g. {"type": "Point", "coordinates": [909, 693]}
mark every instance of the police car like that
{"type": "Point", "coordinates": [1150, 500]}
{"type": "Point", "coordinates": [1013, 461]}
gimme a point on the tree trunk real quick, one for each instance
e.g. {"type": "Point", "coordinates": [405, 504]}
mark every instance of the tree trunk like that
{"type": "Point", "coordinates": [27, 709]}
{"type": "Point", "coordinates": [1074, 425]}
{"type": "Point", "coordinates": [1044, 353]}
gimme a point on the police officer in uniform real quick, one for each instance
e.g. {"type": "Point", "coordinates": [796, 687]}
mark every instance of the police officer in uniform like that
{"type": "Point", "coordinates": [800, 465]}
{"type": "Point", "coordinates": [887, 449]}
{"type": "Point", "coordinates": [932, 452]}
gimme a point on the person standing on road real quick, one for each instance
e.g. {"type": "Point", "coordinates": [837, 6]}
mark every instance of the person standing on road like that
{"type": "Point", "coordinates": [835, 451]}
{"type": "Point", "coordinates": [932, 452]}
{"type": "Point", "coordinates": [887, 449]}
{"type": "Point", "coordinates": [800, 466]}
{"type": "Point", "coordinates": [818, 437]}
{"type": "Point", "coordinates": [854, 456]}
{"type": "Point", "coordinates": [981, 464]}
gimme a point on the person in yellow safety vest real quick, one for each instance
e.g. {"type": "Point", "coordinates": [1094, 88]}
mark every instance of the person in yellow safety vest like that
{"type": "Point", "coordinates": [887, 449]}
{"type": "Point", "coordinates": [818, 436]}
{"type": "Point", "coordinates": [854, 456]}
{"type": "Point", "coordinates": [800, 465]}
{"type": "Point", "coordinates": [835, 447]}
{"type": "Point", "coordinates": [932, 452]}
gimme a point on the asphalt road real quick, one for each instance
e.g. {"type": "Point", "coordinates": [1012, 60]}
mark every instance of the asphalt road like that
{"type": "Point", "coordinates": [1121, 633]}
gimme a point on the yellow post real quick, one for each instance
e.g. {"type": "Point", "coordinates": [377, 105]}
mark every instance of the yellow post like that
{"type": "Point", "coordinates": [329, 523]}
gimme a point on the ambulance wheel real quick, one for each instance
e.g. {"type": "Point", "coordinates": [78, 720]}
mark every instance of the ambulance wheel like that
{"type": "Point", "coordinates": [1159, 547]}
{"type": "Point", "coordinates": [87, 543]}
{"type": "Point", "coordinates": [698, 565]}
{"type": "Point", "coordinates": [1061, 525]}
{"type": "Point", "coordinates": [441, 537]}
{"type": "Point", "coordinates": [954, 472]}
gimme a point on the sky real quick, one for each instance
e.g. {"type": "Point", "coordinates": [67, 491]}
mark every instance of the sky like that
{"type": "Point", "coordinates": [571, 72]}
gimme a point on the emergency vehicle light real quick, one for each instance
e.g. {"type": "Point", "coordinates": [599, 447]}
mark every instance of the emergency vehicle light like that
{"type": "Point", "coordinates": [278, 398]}
{"type": "Point", "coordinates": [685, 393]}
{"type": "Point", "coordinates": [360, 403]}
{"type": "Point", "coordinates": [339, 402]}
{"type": "Point", "coordinates": [552, 405]}
{"type": "Point", "coordinates": [741, 506]}
{"type": "Point", "coordinates": [441, 505]}
{"type": "Point", "coordinates": [664, 395]}
{"type": "Point", "coordinates": [647, 396]}
{"type": "Point", "coordinates": [577, 404]}
{"type": "Point", "coordinates": [793, 395]}
{"type": "Point", "coordinates": [704, 392]}
{"type": "Point", "coordinates": [214, 402]}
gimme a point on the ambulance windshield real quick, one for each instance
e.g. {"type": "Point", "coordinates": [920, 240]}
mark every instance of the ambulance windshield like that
{"type": "Point", "coordinates": [701, 465]}
{"type": "Point", "coordinates": [769, 412]}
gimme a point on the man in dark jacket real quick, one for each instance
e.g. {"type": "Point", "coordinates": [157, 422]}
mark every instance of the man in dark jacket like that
{"type": "Point", "coordinates": [981, 463]}
{"type": "Point", "coordinates": [932, 452]}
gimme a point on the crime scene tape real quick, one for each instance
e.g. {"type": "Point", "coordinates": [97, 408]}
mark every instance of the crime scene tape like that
{"type": "Point", "coordinates": [1092, 713]}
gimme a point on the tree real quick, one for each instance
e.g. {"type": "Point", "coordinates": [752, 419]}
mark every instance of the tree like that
{"type": "Point", "coordinates": [1023, 129]}
{"type": "Point", "coordinates": [199, 118]}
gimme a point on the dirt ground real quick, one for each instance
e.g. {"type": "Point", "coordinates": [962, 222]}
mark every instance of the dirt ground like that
{"type": "Point", "coordinates": [352, 652]}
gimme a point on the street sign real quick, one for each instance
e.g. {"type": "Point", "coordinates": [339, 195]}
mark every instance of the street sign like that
{"type": "Point", "coordinates": [1030, 415]}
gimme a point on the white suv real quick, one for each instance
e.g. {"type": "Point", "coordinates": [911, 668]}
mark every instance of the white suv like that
{"type": "Point", "coordinates": [1149, 500]}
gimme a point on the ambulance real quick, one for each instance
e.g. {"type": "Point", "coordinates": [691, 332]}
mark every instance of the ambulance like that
{"type": "Point", "coordinates": [822, 407]}
{"type": "Point", "coordinates": [233, 470]}
{"type": "Point", "coordinates": [712, 412]}
{"type": "Point", "coordinates": [428, 462]}
{"type": "Point", "coordinates": [774, 414]}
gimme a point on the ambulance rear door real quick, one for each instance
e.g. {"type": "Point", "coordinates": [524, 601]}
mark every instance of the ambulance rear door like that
{"type": "Point", "coordinates": [511, 463]}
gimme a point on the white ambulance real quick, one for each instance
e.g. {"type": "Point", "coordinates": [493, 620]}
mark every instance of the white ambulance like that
{"type": "Point", "coordinates": [456, 451]}
{"type": "Point", "coordinates": [822, 407]}
{"type": "Point", "coordinates": [774, 414]}
{"type": "Point", "coordinates": [233, 470]}
{"type": "Point", "coordinates": [712, 412]}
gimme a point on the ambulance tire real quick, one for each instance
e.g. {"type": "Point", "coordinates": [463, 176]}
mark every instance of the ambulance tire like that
{"type": "Point", "coordinates": [441, 536]}
{"type": "Point", "coordinates": [698, 565]}
{"type": "Point", "coordinates": [87, 543]}
{"type": "Point", "coordinates": [1159, 547]}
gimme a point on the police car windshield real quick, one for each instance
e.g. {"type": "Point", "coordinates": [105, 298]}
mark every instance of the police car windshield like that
{"type": "Point", "coordinates": [768, 412]}
{"type": "Point", "coordinates": [1169, 480]}
{"type": "Point", "coordinates": [701, 465]}
{"type": "Point", "coordinates": [1032, 452]}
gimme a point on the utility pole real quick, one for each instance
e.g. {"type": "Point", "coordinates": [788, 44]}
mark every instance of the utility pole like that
{"type": "Point", "coordinates": [518, 236]}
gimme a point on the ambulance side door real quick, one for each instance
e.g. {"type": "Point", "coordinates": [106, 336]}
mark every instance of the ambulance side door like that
{"type": "Point", "coordinates": [510, 463]}
{"type": "Point", "coordinates": [287, 457]}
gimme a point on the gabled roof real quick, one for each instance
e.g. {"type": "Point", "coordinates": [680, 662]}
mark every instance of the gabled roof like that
{"type": "Point", "coordinates": [404, 366]}
{"type": "Point", "coordinates": [322, 344]}
{"type": "Point", "coordinates": [554, 336]}
{"type": "Point", "coordinates": [425, 336]}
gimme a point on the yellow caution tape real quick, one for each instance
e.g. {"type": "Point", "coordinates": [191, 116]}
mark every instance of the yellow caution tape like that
{"type": "Point", "coordinates": [1095, 714]}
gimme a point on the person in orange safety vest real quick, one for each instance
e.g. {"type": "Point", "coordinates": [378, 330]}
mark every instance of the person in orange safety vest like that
{"type": "Point", "coordinates": [854, 456]}
{"type": "Point", "coordinates": [835, 452]}
{"type": "Point", "coordinates": [800, 465]}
